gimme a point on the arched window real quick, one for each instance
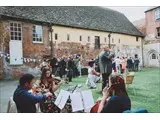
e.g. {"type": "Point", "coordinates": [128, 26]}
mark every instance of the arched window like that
{"type": "Point", "coordinates": [153, 56]}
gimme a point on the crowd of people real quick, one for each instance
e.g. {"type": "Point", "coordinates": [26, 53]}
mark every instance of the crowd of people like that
{"type": "Point", "coordinates": [64, 67]}
{"type": "Point", "coordinates": [115, 97]}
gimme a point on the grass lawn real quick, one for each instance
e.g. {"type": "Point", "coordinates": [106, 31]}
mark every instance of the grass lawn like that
{"type": "Point", "coordinates": [144, 92]}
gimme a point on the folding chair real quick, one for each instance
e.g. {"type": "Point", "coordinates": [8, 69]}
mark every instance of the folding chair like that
{"type": "Point", "coordinates": [12, 108]}
{"type": "Point", "coordinates": [129, 80]}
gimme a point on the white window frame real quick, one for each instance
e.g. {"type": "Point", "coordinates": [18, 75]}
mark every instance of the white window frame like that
{"type": "Point", "coordinates": [157, 14]}
{"type": "Point", "coordinates": [11, 22]}
{"type": "Point", "coordinates": [37, 37]}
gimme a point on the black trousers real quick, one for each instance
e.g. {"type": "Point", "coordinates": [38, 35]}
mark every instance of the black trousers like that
{"type": "Point", "coordinates": [70, 75]}
{"type": "Point", "coordinates": [105, 80]}
{"type": "Point", "coordinates": [136, 68]}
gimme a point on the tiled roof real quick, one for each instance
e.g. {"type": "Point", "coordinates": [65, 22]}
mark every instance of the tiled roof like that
{"type": "Point", "coordinates": [87, 17]}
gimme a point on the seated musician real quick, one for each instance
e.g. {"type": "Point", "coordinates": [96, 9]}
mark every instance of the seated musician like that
{"type": "Point", "coordinates": [25, 101]}
{"type": "Point", "coordinates": [48, 83]}
{"type": "Point", "coordinates": [118, 100]}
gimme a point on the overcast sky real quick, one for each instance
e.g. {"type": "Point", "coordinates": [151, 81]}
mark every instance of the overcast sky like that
{"type": "Point", "coordinates": [132, 13]}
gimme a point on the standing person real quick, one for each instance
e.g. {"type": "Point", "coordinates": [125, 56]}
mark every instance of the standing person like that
{"type": "Point", "coordinates": [123, 65]}
{"type": "Point", "coordinates": [115, 98]}
{"type": "Point", "coordinates": [26, 101]}
{"type": "Point", "coordinates": [93, 76]}
{"type": "Point", "coordinates": [79, 66]}
{"type": "Point", "coordinates": [70, 65]}
{"type": "Point", "coordinates": [76, 61]}
{"type": "Point", "coordinates": [104, 60]}
{"type": "Point", "coordinates": [114, 65]}
{"type": "Point", "coordinates": [133, 64]}
{"type": "Point", "coordinates": [136, 63]}
{"type": "Point", "coordinates": [53, 64]}
{"type": "Point", "coordinates": [118, 62]}
{"type": "Point", "coordinates": [129, 64]}
{"type": "Point", "coordinates": [62, 67]}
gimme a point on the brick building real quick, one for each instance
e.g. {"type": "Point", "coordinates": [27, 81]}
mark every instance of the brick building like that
{"type": "Point", "coordinates": [150, 26]}
{"type": "Point", "coordinates": [76, 30]}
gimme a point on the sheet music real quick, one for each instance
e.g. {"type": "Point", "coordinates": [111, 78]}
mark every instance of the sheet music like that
{"type": "Point", "coordinates": [76, 102]}
{"type": "Point", "coordinates": [88, 100]}
{"type": "Point", "coordinates": [62, 99]}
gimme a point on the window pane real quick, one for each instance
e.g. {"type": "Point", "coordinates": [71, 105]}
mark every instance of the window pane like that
{"type": "Point", "coordinates": [12, 38]}
{"type": "Point", "coordinates": [15, 29]}
{"type": "Point", "coordinates": [38, 29]}
{"type": "Point", "coordinates": [40, 39]}
{"type": "Point", "coordinates": [12, 33]}
{"type": "Point", "coordinates": [36, 35]}
{"type": "Point", "coordinates": [19, 38]}
{"type": "Point", "coordinates": [56, 36]}
{"type": "Point", "coordinates": [19, 25]}
{"type": "Point", "coordinates": [15, 24]}
{"type": "Point", "coordinates": [153, 56]}
{"type": "Point", "coordinates": [11, 28]}
{"type": "Point", "coordinates": [19, 34]}
{"type": "Point", "coordinates": [16, 38]}
{"type": "Point", "coordinates": [80, 38]}
{"type": "Point", "coordinates": [11, 24]}
{"type": "Point", "coordinates": [34, 31]}
{"type": "Point", "coordinates": [15, 33]}
{"type": "Point", "coordinates": [19, 29]}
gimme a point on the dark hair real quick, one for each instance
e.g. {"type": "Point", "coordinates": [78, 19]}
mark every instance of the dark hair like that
{"type": "Point", "coordinates": [118, 84]}
{"type": "Point", "coordinates": [43, 75]}
{"type": "Point", "coordinates": [118, 57]}
{"type": "Point", "coordinates": [91, 63]}
{"type": "Point", "coordinates": [26, 78]}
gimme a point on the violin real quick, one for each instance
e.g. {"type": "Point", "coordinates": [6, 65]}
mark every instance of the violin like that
{"type": "Point", "coordinates": [48, 105]}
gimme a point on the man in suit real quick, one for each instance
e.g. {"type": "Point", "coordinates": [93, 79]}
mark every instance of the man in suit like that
{"type": "Point", "coordinates": [104, 61]}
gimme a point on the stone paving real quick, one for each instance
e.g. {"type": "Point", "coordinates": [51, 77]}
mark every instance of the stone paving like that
{"type": "Point", "coordinates": [6, 91]}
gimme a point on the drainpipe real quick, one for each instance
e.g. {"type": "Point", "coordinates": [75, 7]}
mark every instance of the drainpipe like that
{"type": "Point", "coordinates": [142, 52]}
{"type": "Point", "coordinates": [51, 42]}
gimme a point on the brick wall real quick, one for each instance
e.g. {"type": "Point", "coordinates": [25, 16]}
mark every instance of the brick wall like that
{"type": "Point", "coordinates": [151, 23]}
{"type": "Point", "coordinates": [34, 50]}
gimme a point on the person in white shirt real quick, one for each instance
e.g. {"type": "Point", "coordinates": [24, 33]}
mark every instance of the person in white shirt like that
{"type": "Point", "coordinates": [118, 62]}
{"type": "Point", "coordinates": [93, 76]}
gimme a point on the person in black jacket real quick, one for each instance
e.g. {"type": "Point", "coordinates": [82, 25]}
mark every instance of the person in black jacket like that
{"type": "Point", "coordinates": [62, 67]}
{"type": "Point", "coordinates": [53, 64]}
{"type": "Point", "coordinates": [129, 64]}
{"type": "Point", "coordinates": [70, 66]}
